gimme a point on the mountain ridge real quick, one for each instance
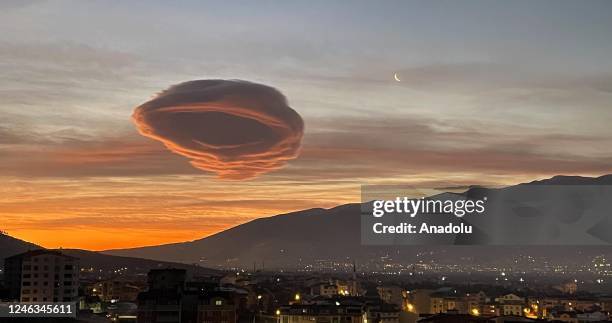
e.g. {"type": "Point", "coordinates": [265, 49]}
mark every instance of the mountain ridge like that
{"type": "Point", "coordinates": [286, 240]}
{"type": "Point", "coordinates": [11, 246]}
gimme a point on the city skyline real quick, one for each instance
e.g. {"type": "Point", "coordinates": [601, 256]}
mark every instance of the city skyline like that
{"type": "Point", "coordinates": [490, 93]}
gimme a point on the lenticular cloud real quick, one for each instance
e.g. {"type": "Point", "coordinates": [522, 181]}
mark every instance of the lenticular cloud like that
{"type": "Point", "coordinates": [234, 128]}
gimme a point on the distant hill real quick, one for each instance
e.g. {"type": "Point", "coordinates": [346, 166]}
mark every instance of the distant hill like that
{"type": "Point", "coordinates": [10, 246]}
{"type": "Point", "coordinates": [277, 240]}
{"type": "Point", "coordinates": [334, 234]}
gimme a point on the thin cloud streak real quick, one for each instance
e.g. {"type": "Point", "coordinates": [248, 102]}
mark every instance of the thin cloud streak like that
{"type": "Point", "coordinates": [376, 147]}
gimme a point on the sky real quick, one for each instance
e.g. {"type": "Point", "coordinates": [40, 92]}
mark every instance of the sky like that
{"type": "Point", "coordinates": [492, 93]}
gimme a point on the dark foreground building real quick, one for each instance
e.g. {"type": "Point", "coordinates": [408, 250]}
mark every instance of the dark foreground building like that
{"type": "Point", "coordinates": [170, 300]}
{"type": "Point", "coordinates": [454, 318]}
{"type": "Point", "coordinates": [42, 276]}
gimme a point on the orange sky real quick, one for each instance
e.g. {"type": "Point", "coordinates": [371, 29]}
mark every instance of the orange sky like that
{"type": "Point", "coordinates": [107, 213]}
{"type": "Point", "coordinates": [116, 194]}
{"type": "Point", "coordinates": [114, 213]}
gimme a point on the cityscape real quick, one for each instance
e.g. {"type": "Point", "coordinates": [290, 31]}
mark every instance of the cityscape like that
{"type": "Point", "coordinates": [384, 290]}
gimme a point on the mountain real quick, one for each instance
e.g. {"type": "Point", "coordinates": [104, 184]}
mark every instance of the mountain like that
{"type": "Point", "coordinates": [574, 180]}
{"type": "Point", "coordinates": [275, 240]}
{"type": "Point", "coordinates": [334, 234]}
{"type": "Point", "coordinates": [10, 246]}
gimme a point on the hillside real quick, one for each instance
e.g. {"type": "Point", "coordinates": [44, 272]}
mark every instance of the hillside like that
{"type": "Point", "coordinates": [10, 246]}
{"type": "Point", "coordinates": [285, 240]}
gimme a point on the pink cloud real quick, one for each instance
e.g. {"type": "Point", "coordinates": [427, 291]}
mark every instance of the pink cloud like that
{"type": "Point", "coordinates": [233, 128]}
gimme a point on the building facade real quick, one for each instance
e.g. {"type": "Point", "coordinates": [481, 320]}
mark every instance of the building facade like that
{"type": "Point", "coordinates": [42, 276]}
{"type": "Point", "coordinates": [322, 314]}
{"type": "Point", "coordinates": [171, 299]}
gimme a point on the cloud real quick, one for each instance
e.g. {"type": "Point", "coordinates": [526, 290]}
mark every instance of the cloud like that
{"type": "Point", "coordinates": [404, 147]}
{"type": "Point", "coordinates": [7, 5]}
{"type": "Point", "coordinates": [234, 128]}
{"type": "Point", "coordinates": [384, 147]}
{"type": "Point", "coordinates": [112, 157]}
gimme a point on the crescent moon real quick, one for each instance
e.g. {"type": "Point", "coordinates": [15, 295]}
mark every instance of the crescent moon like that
{"type": "Point", "coordinates": [396, 77]}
